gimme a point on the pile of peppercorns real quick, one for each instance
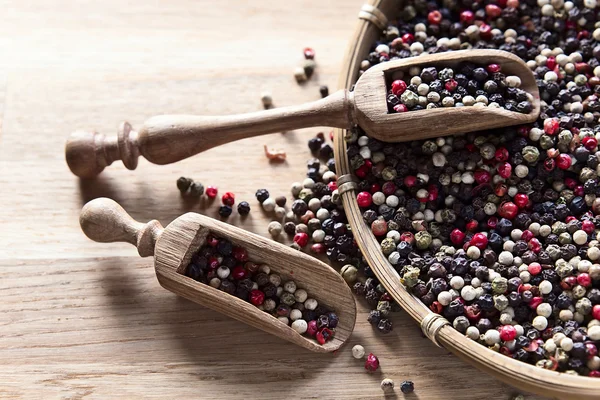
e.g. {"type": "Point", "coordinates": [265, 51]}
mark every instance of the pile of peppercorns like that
{"type": "Point", "coordinates": [497, 230]}
{"type": "Point", "coordinates": [226, 267]}
{"type": "Point", "coordinates": [470, 85]}
{"type": "Point", "coordinates": [188, 187]}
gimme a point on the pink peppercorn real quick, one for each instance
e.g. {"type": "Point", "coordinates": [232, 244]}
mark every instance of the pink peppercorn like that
{"type": "Point", "coordinates": [240, 254]}
{"type": "Point", "coordinates": [481, 176]}
{"type": "Point", "coordinates": [433, 193]}
{"type": "Point", "coordinates": [492, 222]}
{"type": "Point", "coordinates": [388, 188]}
{"type": "Point", "coordinates": [479, 240]}
{"type": "Point", "coordinates": [312, 329]}
{"type": "Point", "coordinates": [570, 183]}
{"type": "Point", "coordinates": [256, 297]}
{"type": "Point", "coordinates": [579, 190]}
{"type": "Point", "coordinates": [501, 154]}
{"type": "Point", "coordinates": [213, 263]}
{"type": "Point", "coordinates": [376, 187]}
{"type": "Point", "coordinates": [493, 68]}
{"type": "Point", "coordinates": [534, 245]}
{"type": "Point", "coordinates": [485, 31]}
{"type": "Point", "coordinates": [228, 199]}
{"type": "Point", "coordinates": [594, 374]}
{"type": "Point", "coordinates": [239, 272]}
{"type": "Point", "coordinates": [493, 11]}
{"type": "Point", "coordinates": [590, 143]}
{"type": "Point", "coordinates": [434, 17]}
{"type": "Point", "coordinates": [467, 17]}
{"type": "Point", "coordinates": [407, 237]}
{"type": "Point", "coordinates": [521, 200]}
{"type": "Point", "coordinates": [563, 161]}
{"type": "Point", "coordinates": [568, 282]}
{"type": "Point", "coordinates": [584, 279]}
{"type": "Point", "coordinates": [212, 191]}
{"type": "Point", "coordinates": [309, 53]}
{"type": "Point", "coordinates": [451, 85]}
{"type": "Point", "coordinates": [551, 126]}
{"type": "Point", "coordinates": [400, 108]}
{"type": "Point", "coordinates": [410, 181]}
{"type": "Point", "coordinates": [596, 311]}
{"type": "Point", "coordinates": [398, 87]}
{"type": "Point", "coordinates": [587, 226]}
{"type": "Point", "coordinates": [379, 227]}
{"type": "Point", "coordinates": [473, 312]}
{"type": "Point", "coordinates": [507, 333]}
{"type": "Point", "coordinates": [318, 248]}
{"type": "Point", "coordinates": [508, 210]}
{"type": "Point", "coordinates": [364, 199]}
{"type": "Point", "coordinates": [472, 226]}
{"type": "Point", "coordinates": [324, 335]}
{"type": "Point", "coordinates": [408, 38]}
{"type": "Point", "coordinates": [301, 239]}
{"type": "Point", "coordinates": [549, 164]}
{"type": "Point", "coordinates": [436, 307]}
{"type": "Point", "coordinates": [332, 185]}
{"type": "Point", "coordinates": [535, 302]}
{"type": "Point", "coordinates": [591, 350]}
{"type": "Point", "coordinates": [372, 363]}
{"type": "Point", "coordinates": [534, 268]}
{"type": "Point", "coordinates": [212, 241]}
{"type": "Point", "coordinates": [551, 63]}
{"type": "Point", "coordinates": [500, 189]}
{"type": "Point", "coordinates": [527, 235]}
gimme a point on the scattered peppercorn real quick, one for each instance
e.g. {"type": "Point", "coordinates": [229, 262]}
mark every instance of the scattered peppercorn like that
{"type": "Point", "coordinates": [225, 211]}
{"type": "Point", "coordinates": [407, 387]}
{"type": "Point", "coordinates": [243, 208]}
{"type": "Point", "coordinates": [324, 90]}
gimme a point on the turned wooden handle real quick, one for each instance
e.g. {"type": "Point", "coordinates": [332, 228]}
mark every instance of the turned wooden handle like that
{"type": "Point", "coordinates": [103, 220]}
{"type": "Point", "coordinates": [170, 138]}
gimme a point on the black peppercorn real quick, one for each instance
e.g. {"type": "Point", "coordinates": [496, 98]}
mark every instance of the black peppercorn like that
{"type": "Point", "coordinates": [183, 184]}
{"type": "Point", "coordinates": [262, 195]}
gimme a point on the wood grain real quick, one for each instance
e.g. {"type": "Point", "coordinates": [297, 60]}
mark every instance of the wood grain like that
{"type": "Point", "coordinates": [82, 320]}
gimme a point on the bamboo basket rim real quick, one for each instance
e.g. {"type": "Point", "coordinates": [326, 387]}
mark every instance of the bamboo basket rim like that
{"type": "Point", "coordinates": [373, 17]}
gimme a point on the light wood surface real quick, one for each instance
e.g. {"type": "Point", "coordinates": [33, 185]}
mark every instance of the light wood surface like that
{"type": "Point", "coordinates": [83, 320]}
{"type": "Point", "coordinates": [166, 139]}
{"type": "Point", "coordinates": [103, 220]}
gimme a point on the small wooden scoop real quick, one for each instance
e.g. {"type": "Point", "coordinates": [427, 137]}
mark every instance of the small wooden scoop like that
{"type": "Point", "coordinates": [103, 220]}
{"type": "Point", "coordinates": [169, 138]}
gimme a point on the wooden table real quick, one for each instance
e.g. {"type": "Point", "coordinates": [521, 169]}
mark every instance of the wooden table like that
{"type": "Point", "coordinates": [81, 319]}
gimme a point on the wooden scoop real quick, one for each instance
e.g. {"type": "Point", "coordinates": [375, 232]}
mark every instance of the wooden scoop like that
{"type": "Point", "coordinates": [169, 138]}
{"type": "Point", "coordinates": [103, 220]}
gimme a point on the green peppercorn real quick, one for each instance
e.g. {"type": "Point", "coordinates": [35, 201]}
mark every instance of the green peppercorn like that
{"type": "Point", "coordinates": [429, 147]}
{"type": "Point", "coordinates": [423, 240]}
{"type": "Point", "coordinates": [587, 174]}
{"type": "Point", "coordinates": [500, 285]}
{"type": "Point", "coordinates": [349, 273]}
{"type": "Point", "coordinates": [411, 276]}
{"type": "Point", "coordinates": [305, 194]}
{"type": "Point", "coordinates": [389, 174]}
{"type": "Point", "coordinates": [500, 302]}
{"type": "Point", "coordinates": [387, 246]}
{"type": "Point", "coordinates": [531, 154]}
{"type": "Point", "coordinates": [546, 142]}
{"type": "Point", "coordinates": [563, 268]}
{"type": "Point", "coordinates": [384, 307]}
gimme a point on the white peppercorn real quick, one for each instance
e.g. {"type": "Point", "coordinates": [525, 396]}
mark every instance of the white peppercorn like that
{"type": "Point", "coordinates": [358, 351]}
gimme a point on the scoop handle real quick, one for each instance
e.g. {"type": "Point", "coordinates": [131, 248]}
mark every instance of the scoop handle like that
{"type": "Point", "coordinates": [105, 221]}
{"type": "Point", "coordinates": [167, 139]}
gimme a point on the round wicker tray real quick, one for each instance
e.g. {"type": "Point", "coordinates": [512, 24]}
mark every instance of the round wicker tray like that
{"type": "Point", "coordinates": [372, 19]}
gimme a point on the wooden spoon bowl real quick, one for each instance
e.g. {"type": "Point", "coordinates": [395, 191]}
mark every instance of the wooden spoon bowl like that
{"type": "Point", "coordinates": [103, 220]}
{"type": "Point", "coordinates": [167, 139]}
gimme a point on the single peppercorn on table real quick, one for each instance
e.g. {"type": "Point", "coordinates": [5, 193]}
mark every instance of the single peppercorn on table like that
{"type": "Point", "coordinates": [83, 320]}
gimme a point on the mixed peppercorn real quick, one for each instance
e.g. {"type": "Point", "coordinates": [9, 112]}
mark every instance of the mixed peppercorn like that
{"type": "Point", "coordinates": [497, 230]}
{"type": "Point", "coordinates": [226, 267]}
{"type": "Point", "coordinates": [469, 85]}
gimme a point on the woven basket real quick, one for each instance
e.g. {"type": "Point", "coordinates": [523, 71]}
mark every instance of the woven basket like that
{"type": "Point", "coordinates": [373, 18]}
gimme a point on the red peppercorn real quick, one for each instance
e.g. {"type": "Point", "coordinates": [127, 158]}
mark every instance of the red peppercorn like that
{"type": "Point", "coordinates": [596, 311]}
{"type": "Point", "coordinates": [434, 17]}
{"type": "Point", "coordinates": [501, 154]}
{"type": "Point", "coordinates": [212, 241]}
{"type": "Point", "coordinates": [527, 235]}
{"type": "Point", "coordinates": [324, 335]}
{"type": "Point", "coordinates": [493, 68]}
{"type": "Point", "coordinates": [551, 126]}
{"type": "Point", "coordinates": [407, 237]}
{"type": "Point", "coordinates": [481, 176]}
{"type": "Point", "coordinates": [239, 272]}
{"type": "Point", "coordinates": [410, 181]}
{"type": "Point", "coordinates": [507, 333]}
{"type": "Point", "coordinates": [534, 268]}
{"type": "Point", "coordinates": [568, 282]}
{"type": "Point", "coordinates": [379, 227]}
{"type": "Point", "coordinates": [590, 143]}
{"type": "Point", "coordinates": [301, 239]}
{"type": "Point", "coordinates": [228, 198]}
{"type": "Point", "coordinates": [332, 185]}
{"type": "Point", "coordinates": [473, 312]}
{"type": "Point", "coordinates": [257, 297]}
{"type": "Point", "coordinates": [451, 85]}
{"type": "Point", "coordinates": [318, 248]}
{"type": "Point", "coordinates": [523, 131]}
{"type": "Point", "coordinates": [457, 237]}
{"type": "Point", "coordinates": [549, 164]}
{"type": "Point", "coordinates": [433, 193]}
{"type": "Point", "coordinates": [492, 222]}
{"type": "Point", "coordinates": [579, 190]}
{"type": "Point", "coordinates": [485, 32]}
{"type": "Point", "coordinates": [213, 263]}
{"type": "Point", "coordinates": [534, 245]}
{"type": "Point", "coordinates": [493, 11]}
{"type": "Point", "coordinates": [372, 363]}
{"type": "Point", "coordinates": [500, 189]}
{"type": "Point", "coordinates": [479, 240]}
{"type": "Point", "coordinates": [524, 287]}
{"type": "Point", "coordinates": [240, 254]}
{"type": "Point", "coordinates": [400, 108]}
{"type": "Point", "coordinates": [312, 329]}
{"type": "Point", "coordinates": [505, 351]}
{"type": "Point", "coordinates": [521, 200]}
{"type": "Point", "coordinates": [376, 187]}
{"type": "Point", "coordinates": [364, 199]}
{"type": "Point", "coordinates": [587, 226]}
{"type": "Point", "coordinates": [212, 191]}
{"type": "Point", "coordinates": [436, 307]}
{"type": "Point", "coordinates": [467, 17]}
{"type": "Point", "coordinates": [591, 349]}
{"type": "Point", "coordinates": [309, 53]}
{"type": "Point", "coordinates": [570, 218]}
{"type": "Point", "coordinates": [472, 226]}
{"type": "Point", "coordinates": [508, 210]}
{"type": "Point", "coordinates": [570, 183]}
{"type": "Point", "coordinates": [361, 172]}
{"type": "Point", "coordinates": [584, 279]}
{"type": "Point", "coordinates": [398, 87]}
{"type": "Point", "coordinates": [388, 188]}
{"type": "Point", "coordinates": [535, 302]}
{"type": "Point", "coordinates": [582, 67]}
{"type": "Point", "coordinates": [594, 374]}
{"type": "Point", "coordinates": [551, 63]}
{"type": "Point", "coordinates": [408, 38]}
{"type": "Point", "coordinates": [563, 161]}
